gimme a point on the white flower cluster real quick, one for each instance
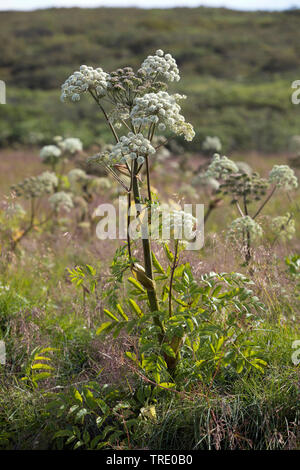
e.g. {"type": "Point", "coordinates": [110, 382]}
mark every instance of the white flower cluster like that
{"type": "Point", "coordinates": [71, 145]}
{"type": "Point", "coordinates": [239, 227]}
{"type": "Point", "coordinates": [87, 78]}
{"type": "Point", "coordinates": [61, 200]}
{"type": "Point", "coordinates": [50, 154]}
{"type": "Point", "coordinates": [77, 176]}
{"type": "Point", "coordinates": [220, 167]}
{"type": "Point", "coordinates": [284, 227]}
{"type": "Point", "coordinates": [212, 144]}
{"type": "Point", "coordinates": [49, 181]}
{"type": "Point", "coordinates": [101, 184]}
{"type": "Point", "coordinates": [15, 210]}
{"type": "Point", "coordinates": [206, 182]}
{"type": "Point", "coordinates": [36, 186]}
{"type": "Point", "coordinates": [172, 224]}
{"type": "Point", "coordinates": [161, 64]}
{"type": "Point", "coordinates": [134, 146]}
{"type": "Point", "coordinates": [284, 177]}
{"type": "Point", "coordinates": [162, 109]}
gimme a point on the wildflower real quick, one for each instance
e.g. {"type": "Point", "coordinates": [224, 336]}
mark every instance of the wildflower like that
{"type": "Point", "coordinates": [50, 154]}
{"type": "Point", "coordinates": [86, 79]}
{"type": "Point", "coordinates": [173, 224]}
{"type": "Point", "coordinates": [161, 64]}
{"type": "Point", "coordinates": [61, 200]}
{"type": "Point", "coordinates": [77, 176]}
{"type": "Point", "coordinates": [48, 180]}
{"type": "Point", "coordinates": [36, 186]}
{"type": "Point", "coordinates": [101, 183]}
{"type": "Point", "coordinates": [220, 167]}
{"type": "Point", "coordinates": [161, 108]}
{"type": "Point", "coordinates": [131, 147]}
{"type": "Point", "coordinates": [71, 145]}
{"type": "Point", "coordinates": [239, 227]}
{"type": "Point", "coordinates": [212, 144]}
{"type": "Point", "coordinates": [284, 227]}
{"type": "Point", "coordinates": [206, 182]}
{"type": "Point", "coordinates": [284, 177]}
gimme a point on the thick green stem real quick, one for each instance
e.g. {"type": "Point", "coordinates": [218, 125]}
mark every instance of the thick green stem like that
{"type": "Point", "coordinates": [152, 295]}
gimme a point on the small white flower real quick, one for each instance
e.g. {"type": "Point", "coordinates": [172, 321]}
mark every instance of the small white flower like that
{"type": "Point", "coordinates": [239, 227]}
{"type": "Point", "coordinates": [284, 177]}
{"type": "Point", "coordinates": [61, 200]}
{"type": "Point", "coordinates": [131, 146]}
{"type": "Point", "coordinates": [220, 167]}
{"type": "Point", "coordinates": [71, 145]}
{"type": "Point", "coordinates": [284, 227]}
{"type": "Point", "coordinates": [50, 154]}
{"type": "Point", "coordinates": [83, 80]}
{"type": "Point", "coordinates": [212, 144]}
{"type": "Point", "coordinates": [163, 65]}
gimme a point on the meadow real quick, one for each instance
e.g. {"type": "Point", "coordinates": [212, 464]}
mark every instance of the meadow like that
{"type": "Point", "coordinates": [142, 343]}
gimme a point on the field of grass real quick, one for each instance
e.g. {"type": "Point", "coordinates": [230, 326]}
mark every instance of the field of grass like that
{"type": "Point", "coordinates": [237, 67]}
{"type": "Point", "coordinates": [41, 308]}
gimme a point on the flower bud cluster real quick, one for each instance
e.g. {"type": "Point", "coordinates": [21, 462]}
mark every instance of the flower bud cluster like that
{"type": "Point", "coordinates": [239, 227]}
{"type": "Point", "coordinates": [284, 177]}
{"type": "Point", "coordinates": [61, 200]}
{"type": "Point", "coordinates": [86, 78]}
{"type": "Point", "coordinates": [161, 64]}
{"type": "Point", "coordinates": [133, 146]}
{"type": "Point", "coordinates": [36, 186]}
{"type": "Point", "coordinates": [161, 109]}
{"type": "Point", "coordinates": [221, 167]}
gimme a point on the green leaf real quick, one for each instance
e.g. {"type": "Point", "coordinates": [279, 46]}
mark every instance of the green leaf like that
{"type": "Point", "coordinates": [103, 327]}
{"type": "Point", "coordinates": [77, 396]}
{"type": "Point", "coordinates": [121, 312]}
{"type": "Point", "coordinates": [41, 366]}
{"type": "Point", "coordinates": [157, 264]}
{"type": "Point", "coordinates": [168, 350]}
{"type": "Point", "coordinates": [111, 315]}
{"type": "Point", "coordinates": [131, 356]}
{"type": "Point", "coordinates": [136, 284]}
{"type": "Point", "coordinates": [169, 254]}
{"type": "Point", "coordinates": [42, 376]}
{"type": "Point", "coordinates": [135, 308]}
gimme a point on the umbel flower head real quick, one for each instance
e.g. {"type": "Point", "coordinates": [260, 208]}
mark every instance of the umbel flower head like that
{"type": "Point", "coordinates": [77, 176]}
{"type": "Point", "coordinates": [284, 227]}
{"type": "Point", "coordinates": [161, 65]}
{"type": "Point", "coordinates": [132, 147]}
{"type": "Point", "coordinates": [83, 80]}
{"type": "Point", "coordinates": [239, 227]}
{"type": "Point", "coordinates": [50, 154]}
{"type": "Point", "coordinates": [212, 144]}
{"type": "Point", "coordinates": [61, 200]}
{"type": "Point", "coordinates": [173, 224]}
{"type": "Point", "coordinates": [71, 145]}
{"type": "Point", "coordinates": [284, 177]}
{"type": "Point", "coordinates": [36, 186]}
{"type": "Point", "coordinates": [161, 109]}
{"type": "Point", "coordinates": [220, 167]}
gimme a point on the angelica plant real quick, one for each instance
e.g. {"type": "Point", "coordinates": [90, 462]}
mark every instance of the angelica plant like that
{"type": "Point", "coordinates": [34, 189]}
{"type": "Point", "coordinates": [136, 105]}
{"type": "Point", "coordinates": [246, 188]}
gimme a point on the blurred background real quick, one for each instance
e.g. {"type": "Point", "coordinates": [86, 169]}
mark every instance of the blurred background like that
{"type": "Point", "coordinates": [237, 66]}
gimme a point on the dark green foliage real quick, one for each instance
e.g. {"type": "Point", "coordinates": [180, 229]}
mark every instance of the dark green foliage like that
{"type": "Point", "coordinates": [238, 67]}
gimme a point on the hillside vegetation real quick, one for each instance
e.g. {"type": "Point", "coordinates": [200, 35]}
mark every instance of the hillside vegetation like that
{"type": "Point", "coordinates": [238, 69]}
